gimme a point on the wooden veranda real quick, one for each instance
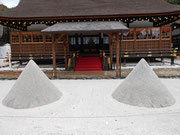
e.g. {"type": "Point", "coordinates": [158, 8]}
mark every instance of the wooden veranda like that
{"type": "Point", "coordinates": [152, 42]}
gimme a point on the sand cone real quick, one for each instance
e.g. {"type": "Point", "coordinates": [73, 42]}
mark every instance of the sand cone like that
{"type": "Point", "coordinates": [32, 89]}
{"type": "Point", "coordinates": [143, 88]}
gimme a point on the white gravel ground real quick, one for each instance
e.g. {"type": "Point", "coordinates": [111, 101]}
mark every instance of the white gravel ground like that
{"type": "Point", "coordinates": [87, 108]}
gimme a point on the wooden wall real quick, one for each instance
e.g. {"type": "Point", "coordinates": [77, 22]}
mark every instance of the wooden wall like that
{"type": "Point", "coordinates": [27, 45]}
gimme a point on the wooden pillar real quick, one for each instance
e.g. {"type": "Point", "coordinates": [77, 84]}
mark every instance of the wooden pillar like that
{"type": "Point", "coordinates": [44, 41]}
{"type": "Point", "coordinates": [111, 51]}
{"type": "Point", "coordinates": [135, 41]}
{"type": "Point", "coordinates": [67, 45]}
{"type": "Point", "coordinates": [111, 47]}
{"type": "Point", "coordinates": [117, 54]}
{"type": "Point", "coordinates": [20, 41]}
{"type": "Point", "coordinates": [54, 56]}
{"type": "Point", "coordinates": [120, 53]}
{"type": "Point", "coordinates": [10, 38]}
{"type": "Point", "coordinates": [160, 38]}
{"type": "Point", "coordinates": [65, 52]}
{"type": "Point", "coordinates": [171, 40]}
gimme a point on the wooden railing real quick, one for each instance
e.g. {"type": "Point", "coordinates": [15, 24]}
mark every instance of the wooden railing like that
{"type": "Point", "coordinates": [145, 53]}
{"type": "Point", "coordinates": [37, 45]}
{"type": "Point", "coordinates": [138, 53]}
{"type": "Point", "coordinates": [146, 38]}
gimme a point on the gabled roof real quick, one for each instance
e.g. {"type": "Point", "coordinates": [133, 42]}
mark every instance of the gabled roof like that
{"type": "Point", "coordinates": [75, 27]}
{"type": "Point", "coordinates": [81, 8]}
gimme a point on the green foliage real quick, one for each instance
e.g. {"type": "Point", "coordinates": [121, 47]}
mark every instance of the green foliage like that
{"type": "Point", "coordinates": [3, 8]}
{"type": "Point", "coordinates": [174, 1]}
{"type": "Point", "coordinates": [5, 38]}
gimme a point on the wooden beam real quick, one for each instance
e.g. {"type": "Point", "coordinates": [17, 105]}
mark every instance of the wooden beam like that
{"type": "Point", "coordinates": [117, 54]}
{"type": "Point", "coordinates": [54, 56]}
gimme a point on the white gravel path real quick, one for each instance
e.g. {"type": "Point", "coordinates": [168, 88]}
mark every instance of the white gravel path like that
{"type": "Point", "coordinates": [87, 108]}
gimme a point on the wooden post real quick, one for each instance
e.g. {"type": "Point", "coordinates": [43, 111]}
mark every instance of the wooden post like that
{"type": "Point", "coordinates": [170, 36]}
{"type": "Point", "coordinates": [54, 56]}
{"type": "Point", "coordinates": [160, 38]}
{"type": "Point", "coordinates": [20, 41]}
{"type": "Point", "coordinates": [10, 38]}
{"type": "Point", "coordinates": [65, 52]}
{"type": "Point", "coordinates": [111, 47]}
{"type": "Point", "coordinates": [120, 46]}
{"type": "Point", "coordinates": [117, 54]}
{"type": "Point", "coordinates": [44, 41]}
{"type": "Point", "coordinates": [135, 37]}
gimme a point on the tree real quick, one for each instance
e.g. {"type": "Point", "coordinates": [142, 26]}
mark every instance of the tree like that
{"type": "Point", "coordinates": [3, 8]}
{"type": "Point", "coordinates": [174, 1]}
{"type": "Point", "coordinates": [5, 38]}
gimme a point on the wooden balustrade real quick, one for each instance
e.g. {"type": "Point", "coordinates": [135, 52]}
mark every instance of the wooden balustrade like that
{"type": "Point", "coordinates": [38, 45]}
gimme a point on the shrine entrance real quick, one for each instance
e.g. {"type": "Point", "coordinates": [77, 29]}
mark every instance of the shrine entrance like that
{"type": "Point", "coordinates": [89, 44]}
{"type": "Point", "coordinates": [82, 37]}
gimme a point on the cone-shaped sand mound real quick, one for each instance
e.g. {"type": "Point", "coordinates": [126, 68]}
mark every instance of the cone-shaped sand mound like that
{"type": "Point", "coordinates": [143, 88]}
{"type": "Point", "coordinates": [32, 89]}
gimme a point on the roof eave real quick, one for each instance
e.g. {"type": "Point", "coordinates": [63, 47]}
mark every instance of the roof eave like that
{"type": "Point", "coordinates": [3, 17]}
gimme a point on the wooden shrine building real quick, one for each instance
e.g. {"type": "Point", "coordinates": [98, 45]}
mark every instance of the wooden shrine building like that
{"type": "Point", "coordinates": [91, 35]}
